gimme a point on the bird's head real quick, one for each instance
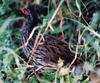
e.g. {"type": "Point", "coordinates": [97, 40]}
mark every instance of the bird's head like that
{"type": "Point", "coordinates": [30, 12]}
{"type": "Point", "coordinates": [31, 19]}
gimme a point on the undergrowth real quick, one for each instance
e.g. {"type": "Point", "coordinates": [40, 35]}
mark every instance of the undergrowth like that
{"type": "Point", "coordinates": [77, 21]}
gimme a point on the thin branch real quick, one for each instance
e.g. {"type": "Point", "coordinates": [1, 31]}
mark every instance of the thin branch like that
{"type": "Point", "coordinates": [53, 16]}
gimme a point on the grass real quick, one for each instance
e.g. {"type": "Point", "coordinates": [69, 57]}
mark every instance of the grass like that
{"type": "Point", "coordinates": [78, 21]}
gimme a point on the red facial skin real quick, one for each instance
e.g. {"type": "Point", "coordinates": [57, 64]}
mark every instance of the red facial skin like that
{"type": "Point", "coordinates": [24, 11]}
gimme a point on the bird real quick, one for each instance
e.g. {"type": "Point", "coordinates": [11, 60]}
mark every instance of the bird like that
{"type": "Point", "coordinates": [52, 49]}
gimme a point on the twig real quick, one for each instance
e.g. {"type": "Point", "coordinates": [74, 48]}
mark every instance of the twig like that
{"type": "Point", "coordinates": [76, 53]}
{"type": "Point", "coordinates": [53, 16]}
{"type": "Point", "coordinates": [89, 28]}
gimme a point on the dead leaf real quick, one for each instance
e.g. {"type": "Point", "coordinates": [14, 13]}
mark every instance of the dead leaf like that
{"type": "Point", "coordinates": [64, 71]}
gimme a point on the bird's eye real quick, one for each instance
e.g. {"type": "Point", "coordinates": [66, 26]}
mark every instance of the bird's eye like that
{"type": "Point", "coordinates": [24, 11]}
